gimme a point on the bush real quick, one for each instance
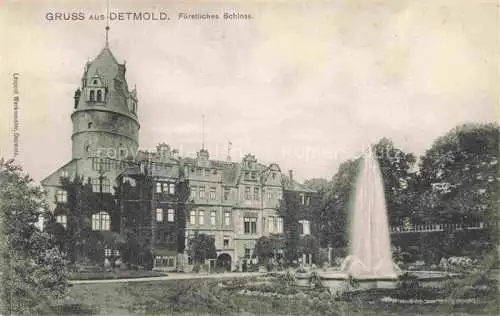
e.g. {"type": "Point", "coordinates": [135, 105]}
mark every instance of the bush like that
{"type": "Point", "coordinates": [196, 268]}
{"type": "Point", "coordinates": [269, 267]}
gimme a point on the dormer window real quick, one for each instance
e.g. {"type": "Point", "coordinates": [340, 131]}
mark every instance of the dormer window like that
{"type": "Point", "coordinates": [94, 82]}
{"type": "Point", "coordinates": [92, 96]}
{"type": "Point", "coordinates": [99, 95]}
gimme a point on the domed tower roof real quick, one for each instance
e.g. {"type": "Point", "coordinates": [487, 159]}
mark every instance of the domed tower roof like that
{"type": "Point", "coordinates": [105, 72]}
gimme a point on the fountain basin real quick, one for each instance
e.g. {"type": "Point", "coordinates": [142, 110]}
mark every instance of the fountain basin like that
{"type": "Point", "coordinates": [341, 281]}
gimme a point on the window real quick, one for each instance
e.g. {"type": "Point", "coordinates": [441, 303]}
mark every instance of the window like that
{"type": "Point", "coordinates": [159, 215]}
{"type": "Point", "coordinates": [213, 216]}
{"type": "Point", "coordinates": [226, 242]}
{"type": "Point", "coordinates": [158, 187]}
{"type": "Point", "coordinates": [96, 185]}
{"type": "Point", "coordinates": [202, 193]}
{"type": "Point", "coordinates": [92, 96]}
{"type": "Point", "coordinates": [101, 221]}
{"type": "Point", "coordinates": [268, 194]}
{"type": "Point", "coordinates": [302, 199]}
{"type": "Point", "coordinates": [64, 173]}
{"type": "Point", "coordinates": [193, 192]}
{"type": "Point", "coordinates": [89, 125]}
{"type": "Point", "coordinates": [201, 217]}
{"type": "Point", "coordinates": [308, 200]}
{"type": "Point", "coordinates": [171, 188]}
{"type": "Point", "coordinates": [61, 196]}
{"type": "Point", "coordinates": [227, 218]}
{"type": "Point", "coordinates": [171, 215]}
{"type": "Point", "coordinates": [100, 164]}
{"type": "Point", "coordinates": [61, 219]}
{"type": "Point", "coordinates": [165, 186]}
{"type": "Point", "coordinates": [99, 95]}
{"type": "Point", "coordinates": [247, 193]}
{"type": "Point", "coordinates": [94, 81]}
{"type": "Point", "coordinates": [106, 186]}
{"type": "Point", "coordinates": [226, 194]}
{"type": "Point", "coordinates": [107, 252]}
{"type": "Point", "coordinates": [250, 224]}
{"type": "Point", "coordinates": [248, 253]}
{"type": "Point", "coordinates": [279, 225]}
{"type": "Point", "coordinates": [272, 224]}
{"type": "Point", "coordinates": [212, 193]}
{"type": "Point", "coordinates": [256, 194]}
{"type": "Point", "coordinates": [192, 217]}
{"type": "Point", "coordinates": [304, 227]}
{"type": "Point", "coordinates": [279, 195]}
{"type": "Point", "coordinates": [198, 171]}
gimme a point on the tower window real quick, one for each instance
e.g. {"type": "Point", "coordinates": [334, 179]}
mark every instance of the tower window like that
{"type": "Point", "coordinates": [99, 95]}
{"type": "Point", "coordinates": [92, 95]}
{"type": "Point", "coordinates": [94, 82]}
{"type": "Point", "coordinates": [90, 124]}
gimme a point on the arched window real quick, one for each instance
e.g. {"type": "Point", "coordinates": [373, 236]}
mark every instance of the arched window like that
{"type": "Point", "coordinates": [99, 95]}
{"type": "Point", "coordinates": [101, 221]}
{"type": "Point", "coordinates": [92, 95]}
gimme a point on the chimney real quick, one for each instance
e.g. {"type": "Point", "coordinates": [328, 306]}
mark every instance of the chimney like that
{"type": "Point", "coordinates": [290, 175]}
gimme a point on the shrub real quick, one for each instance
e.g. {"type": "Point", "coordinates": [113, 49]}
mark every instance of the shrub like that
{"type": "Point", "coordinates": [315, 281]}
{"type": "Point", "coordinates": [196, 268]}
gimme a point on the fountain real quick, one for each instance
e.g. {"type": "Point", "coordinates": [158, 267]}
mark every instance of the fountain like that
{"type": "Point", "coordinates": [370, 245]}
{"type": "Point", "coordinates": [369, 263]}
{"type": "Point", "coordinates": [370, 260]}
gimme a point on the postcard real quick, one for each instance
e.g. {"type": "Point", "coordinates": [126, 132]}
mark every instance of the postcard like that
{"type": "Point", "coordinates": [249, 157]}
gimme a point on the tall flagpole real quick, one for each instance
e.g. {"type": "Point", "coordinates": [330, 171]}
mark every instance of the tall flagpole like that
{"type": "Point", "coordinates": [107, 22]}
{"type": "Point", "coordinates": [203, 131]}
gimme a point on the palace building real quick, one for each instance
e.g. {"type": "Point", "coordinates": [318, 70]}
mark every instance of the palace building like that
{"type": "Point", "coordinates": [235, 202]}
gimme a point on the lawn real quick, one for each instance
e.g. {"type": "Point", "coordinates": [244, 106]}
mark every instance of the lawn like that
{"type": "Point", "coordinates": [224, 297]}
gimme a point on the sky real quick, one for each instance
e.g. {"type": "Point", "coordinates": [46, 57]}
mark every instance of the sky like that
{"type": "Point", "coordinates": [305, 84]}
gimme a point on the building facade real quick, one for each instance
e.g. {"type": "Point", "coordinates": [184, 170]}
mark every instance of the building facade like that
{"type": "Point", "coordinates": [235, 202]}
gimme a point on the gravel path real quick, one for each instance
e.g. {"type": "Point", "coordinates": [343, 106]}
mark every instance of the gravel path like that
{"type": "Point", "coordinates": [175, 276]}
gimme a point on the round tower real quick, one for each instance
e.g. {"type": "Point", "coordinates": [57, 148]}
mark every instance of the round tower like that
{"type": "Point", "coordinates": [105, 116]}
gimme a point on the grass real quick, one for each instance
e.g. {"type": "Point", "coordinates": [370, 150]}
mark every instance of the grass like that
{"type": "Point", "coordinates": [208, 297]}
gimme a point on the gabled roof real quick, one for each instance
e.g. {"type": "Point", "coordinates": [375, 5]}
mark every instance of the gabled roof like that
{"type": "Point", "coordinates": [53, 178]}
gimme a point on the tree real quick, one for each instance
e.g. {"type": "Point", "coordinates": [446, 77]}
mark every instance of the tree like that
{"type": "Point", "coordinates": [264, 249]}
{"type": "Point", "coordinates": [290, 210]}
{"type": "Point", "coordinates": [33, 268]}
{"type": "Point", "coordinates": [202, 247]}
{"type": "Point", "coordinates": [399, 179]}
{"type": "Point", "coordinates": [182, 211]}
{"type": "Point", "coordinates": [308, 245]}
{"type": "Point", "coordinates": [333, 215]}
{"type": "Point", "coordinates": [460, 174]}
{"type": "Point", "coordinates": [319, 185]}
